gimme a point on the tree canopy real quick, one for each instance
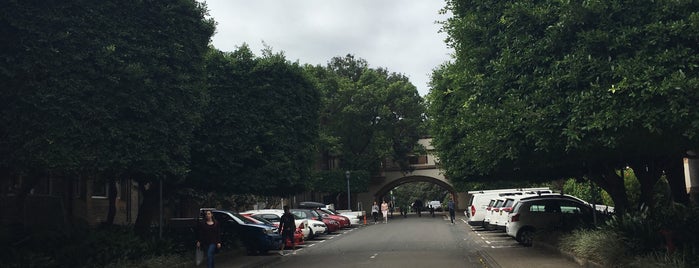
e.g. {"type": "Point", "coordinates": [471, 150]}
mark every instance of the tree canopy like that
{"type": "Point", "coordinates": [260, 125]}
{"type": "Point", "coordinates": [550, 89]}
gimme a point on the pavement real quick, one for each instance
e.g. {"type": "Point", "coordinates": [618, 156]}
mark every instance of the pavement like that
{"type": "Point", "coordinates": [541, 255]}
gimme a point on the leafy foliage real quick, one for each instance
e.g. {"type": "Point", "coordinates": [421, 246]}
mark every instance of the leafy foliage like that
{"type": "Point", "coordinates": [260, 125]}
{"type": "Point", "coordinates": [557, 89]}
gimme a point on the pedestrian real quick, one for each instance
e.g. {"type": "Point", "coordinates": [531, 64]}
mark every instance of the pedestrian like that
{"type": "Point", "coordinates": [384, 211]}
{"type": "Point", "coordinates": [287, 224]}
{"type": "Point", "coordinates": [209, 237]}
{"type": "Point", "coordinates": [375, 212]}
{"type": "Point", "coordinates": [418, 207]}
{"type": "Point", "coordinates": [452, 209]}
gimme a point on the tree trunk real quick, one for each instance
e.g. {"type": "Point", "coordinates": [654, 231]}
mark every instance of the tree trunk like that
{"type": "Point", "coordinates": [648, 175]}
{"type": "Point", "coordinates": [608, 180]}
{"type": "Point", "coordinates": [112, 196]}
{"type": "Point", "coordinates": [148, 208]}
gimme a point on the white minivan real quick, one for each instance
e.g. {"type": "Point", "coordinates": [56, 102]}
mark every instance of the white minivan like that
{"type": "Point", "coordinates": [478, 203]}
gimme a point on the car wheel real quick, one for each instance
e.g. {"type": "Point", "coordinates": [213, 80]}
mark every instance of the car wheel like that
{"type": "Point", "coordinates": [526, 237]}
{"type": "Point", "coordinates": [311, 235]}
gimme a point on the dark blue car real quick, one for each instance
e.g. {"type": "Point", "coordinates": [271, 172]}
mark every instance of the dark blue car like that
{"type": "Point", "coordinates": [257, 239]}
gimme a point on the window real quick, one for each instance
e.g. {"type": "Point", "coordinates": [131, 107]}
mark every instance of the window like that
{"type": "Point", "coordinates": [99, 188]}
{"type": "Point", "coordinates": [537, 208]}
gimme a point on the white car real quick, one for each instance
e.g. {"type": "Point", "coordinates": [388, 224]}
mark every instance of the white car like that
{"type": "Point", "coordinates": [492, 213]}
{"type": "Point", "coordinates": [501, 217]}
{"type": "Point", "coordinates": [547, 212]}
{"type": "Point", "coordinates": [478, 203]}
{"type": "Point", "coordinates": [275, 215]}
{"type": "Point", "coordinates": [317, 227]}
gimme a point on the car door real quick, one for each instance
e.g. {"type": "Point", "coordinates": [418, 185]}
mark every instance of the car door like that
{"type": "Point", "coordinates": [543, 214]}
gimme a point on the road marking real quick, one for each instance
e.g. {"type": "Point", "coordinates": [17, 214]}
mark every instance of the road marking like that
{"type": "Point", "coordinates": [374, 256]}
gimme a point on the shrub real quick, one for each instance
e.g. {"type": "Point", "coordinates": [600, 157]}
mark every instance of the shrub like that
{"type": "Point", "coordinates": [602, 246]}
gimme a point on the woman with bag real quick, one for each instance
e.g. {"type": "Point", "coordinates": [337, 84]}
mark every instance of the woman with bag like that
{"type": "Point", "coordinates": [208, 237]}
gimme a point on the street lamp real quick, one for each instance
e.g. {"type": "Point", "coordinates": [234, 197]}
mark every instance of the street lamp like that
{"type": "Point", "coordinates": [347, 175]}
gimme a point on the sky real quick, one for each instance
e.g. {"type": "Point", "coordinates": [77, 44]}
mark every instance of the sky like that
{"type": "Point", "coordinates": [398, 35]}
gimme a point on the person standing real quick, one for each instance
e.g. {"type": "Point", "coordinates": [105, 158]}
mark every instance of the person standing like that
{"type": "Point", "coordinates": [384, 211]}
{"type": "Point", "coordinates": [452, 209]}
{"type": "Point", "coordinates": [209, 236]}
{"type": "Point", "coordinates": [287, 225]}
{"type": "Point", "coordinates": [375, 212]}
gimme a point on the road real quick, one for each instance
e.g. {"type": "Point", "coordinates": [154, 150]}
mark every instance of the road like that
{"type": "Point", "coordinates": [410, 242]}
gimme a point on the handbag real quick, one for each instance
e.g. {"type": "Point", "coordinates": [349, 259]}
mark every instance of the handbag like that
{"type": "Point", "coordinates": [199, 256]}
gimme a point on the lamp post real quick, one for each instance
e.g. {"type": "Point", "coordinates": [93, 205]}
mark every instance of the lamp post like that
{"type": "Point", "coordinates": [347, 175]}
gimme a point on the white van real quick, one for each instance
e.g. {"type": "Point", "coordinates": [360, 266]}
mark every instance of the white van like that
{"type": "Point", "coordinates": [479, 200]}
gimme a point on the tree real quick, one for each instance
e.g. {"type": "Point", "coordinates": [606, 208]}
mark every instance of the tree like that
{"type": "Point", "coordinates": [368, 115]}
{"type": "Point", "coordinates": [102, 90]}
{"type": "Point", "coordinates": [260, 126]}
{"type": "Point", "coordinates": [555, 89]}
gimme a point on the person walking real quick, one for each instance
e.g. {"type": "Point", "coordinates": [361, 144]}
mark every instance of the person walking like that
{"type": "Point", "coordinates": [209, 237]}
{"type": "Point", "coordinates": [452, 209]}
{"type": "Point", "coordinates": [287, 224]}
{"type": "Point", "coordinates": [375, 212]}
{"type": "Point", "coordinates": [384, 211]}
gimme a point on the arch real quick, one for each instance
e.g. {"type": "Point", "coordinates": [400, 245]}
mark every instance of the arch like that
{"type": "Point", "coordinates": [383, 191]}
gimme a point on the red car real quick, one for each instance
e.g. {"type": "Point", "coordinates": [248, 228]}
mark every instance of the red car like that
{"type": "Point", "coordinates": [344, 221]}
{"type": "Point", "coordinates": [298, 234]}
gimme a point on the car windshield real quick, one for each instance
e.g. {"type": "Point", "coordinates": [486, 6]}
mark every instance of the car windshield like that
{"type": "Point", "coordinates": [263, 220]}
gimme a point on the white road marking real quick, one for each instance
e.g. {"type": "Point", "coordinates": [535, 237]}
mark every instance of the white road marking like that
{"type": "Point", "coordinates": [374, 256]}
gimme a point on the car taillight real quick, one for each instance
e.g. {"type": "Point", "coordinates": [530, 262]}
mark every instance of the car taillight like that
{"type": "Point", "coordinates": [473, 210]}
{"type": "Point", "coordinates": [514, 218]}
{"type": "Point", "coordinates": [508, 210]}
{"type": "Point", "coordinates": [496, 209]}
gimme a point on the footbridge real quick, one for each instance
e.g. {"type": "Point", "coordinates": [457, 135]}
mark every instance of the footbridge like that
{"type": "Point", "coordinates": [425, 169]}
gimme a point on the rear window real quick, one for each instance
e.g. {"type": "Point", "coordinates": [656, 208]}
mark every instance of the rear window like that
{"type": "Point", "coordinates": [499, 203]}
{"type": "Point", "coordinates": [509, 203]}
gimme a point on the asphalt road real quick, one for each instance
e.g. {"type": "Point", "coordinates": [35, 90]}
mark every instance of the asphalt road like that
{"type": "Point", "coordinates": [409, 242]}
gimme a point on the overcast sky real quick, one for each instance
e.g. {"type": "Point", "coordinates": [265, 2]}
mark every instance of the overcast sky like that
{"type": "Point", "coordinates": [399, 35]}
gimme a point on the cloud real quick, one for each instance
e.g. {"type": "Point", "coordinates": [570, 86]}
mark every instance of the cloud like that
{"type": "Point", "coordinates": [399, 35]}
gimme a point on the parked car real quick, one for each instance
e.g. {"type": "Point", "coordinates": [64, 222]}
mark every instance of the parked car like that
{"type": "Point", "coordinates": [547, 212]}
{"type": "Point", "coordinates": [492, 211]}
{"type": "Point", "coordinates": [342, 220]}
{"type": "Point", "coordinates": [478, 203]}
{"type": "Point", "coordinates": [436, 205]}
{"type": "Point", "coordinates": [353, 218]}
{"type": "Point", "coordinates": [275, 215]}
{"type": "Point", "coordinates": [501, 218]}
{"type": "Point", "coordinates": [321, 225]}
{"type": "Point", "coordinates": [256, 238]}
{"type": "Point", "coordinates": [298, 234]}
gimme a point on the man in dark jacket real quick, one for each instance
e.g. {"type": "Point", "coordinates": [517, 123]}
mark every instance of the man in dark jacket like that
{"type": "Point", "coordinates": [287, 225]}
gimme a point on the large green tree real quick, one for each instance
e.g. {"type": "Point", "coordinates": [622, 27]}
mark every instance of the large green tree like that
{"type": "Point", "coordinates": [101, 90]}
{"type": "Point", "coordinates": [551, 89]}
{"type": "Point", "coordinates": [367, 115]}
{"type": "Point", "coordinates": [260, 127]}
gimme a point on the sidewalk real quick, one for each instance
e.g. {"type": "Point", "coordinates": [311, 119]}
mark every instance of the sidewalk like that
{"type": "Point", "coordinates": [237, 259]}
{"type": "Point", "coordinates": [541, 255]}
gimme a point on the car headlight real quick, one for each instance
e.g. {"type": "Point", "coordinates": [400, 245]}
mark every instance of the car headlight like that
{"type": "Point", "coordinates": [318, 225]}
{"type": "Point", "coordinates": [268, 231]}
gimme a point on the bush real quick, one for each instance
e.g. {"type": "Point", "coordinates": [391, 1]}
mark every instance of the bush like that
{"type": "Point", "coordinates": [601, 246]}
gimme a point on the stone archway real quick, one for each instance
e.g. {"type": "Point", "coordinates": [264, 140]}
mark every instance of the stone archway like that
{"type": "Point", "coordinates": [382, 187]}
{"type": "Point", "coordinates": [383, 191]}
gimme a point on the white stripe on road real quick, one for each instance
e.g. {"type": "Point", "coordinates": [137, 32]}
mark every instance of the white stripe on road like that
{"type": "Point", "coordinates": [374, 256]}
